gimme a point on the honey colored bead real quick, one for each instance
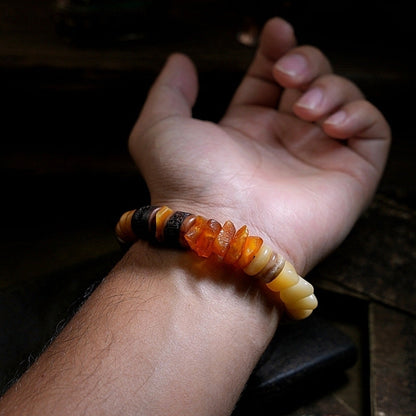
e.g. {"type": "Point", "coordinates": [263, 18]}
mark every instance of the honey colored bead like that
{"type": "Point", "coordinates": [308, 302]}
{"type": "Point", "coordinates": [223, 239]}
{"type": "Point", "coordinates": [250, 249]}
{"type": "Point", "coordinates": [286, 278]}
{"type": "Point", "coordinates": [298, 291]}
{"type": "Point", "coordinates": [236, 246]}
{"type": "Point", "coordinates": [161, 217]}
{"type": "Point", "coordinates": [299, 314]}
{"type": "Point", "coordinates": [195, 230]}
{"type": "Point", "coordinates": [185, 227]}
{"type": "Point", "coordinates": [259, 261]}
{"type": "Point", "coordinates": [124, 231]}
{"type": "Point", "coordinates": [203, 246]}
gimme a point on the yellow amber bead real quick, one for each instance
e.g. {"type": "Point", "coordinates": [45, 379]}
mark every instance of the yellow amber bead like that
{"type": "Point", "coordinates": [308, 302]}
{"type": "Point", "coordinates": [259, 261]}
{"type": "Point", "coordinates": [162, 216]}
{"type": "Point", "coordinates": [298, 291]}
{"type": "Point", "coordinates": [299, 314]}
{"type": "Point", "coordinates": [286, 278]}
{"type": "Point", "coordinates": [123, 228]}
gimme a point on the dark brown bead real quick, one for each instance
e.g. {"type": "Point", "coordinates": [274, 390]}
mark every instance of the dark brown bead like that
{"type": "Point", "coordinates": [141, 221]}
{"type": "Point", "coordinates": [172, 231]}
{"type": "Point", "coordinates": [272, 268]}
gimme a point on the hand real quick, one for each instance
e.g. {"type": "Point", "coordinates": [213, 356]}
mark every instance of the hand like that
{"type": "Point", "coordinates": [297, 156]}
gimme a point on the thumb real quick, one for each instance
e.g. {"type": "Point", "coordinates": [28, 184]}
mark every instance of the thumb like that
{"type": "Point", "coordinates": [173, 94]}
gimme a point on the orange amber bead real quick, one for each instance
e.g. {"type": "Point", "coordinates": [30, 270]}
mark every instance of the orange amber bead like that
{"type": "Point", "coordinates": [203, 246]}
{"type": "Point", "coordinates": [236, 246]}
{"type": "Point", "coordinates": [223, 239]}
{"type": "Point", "coordinates": [192, 235]}
{"type": "Point", "coordinates": [250, 249]}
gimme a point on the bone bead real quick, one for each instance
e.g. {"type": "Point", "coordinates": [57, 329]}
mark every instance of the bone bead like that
{"type": "Point", "coordinates": [286, 278]}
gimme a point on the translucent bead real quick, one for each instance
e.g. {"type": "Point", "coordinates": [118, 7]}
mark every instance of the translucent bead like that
{"type": "Point", "coordinates": [259, 261]}
{"type": "Point", "coordinates": [203, 244]}
{"type": "Point", "coordinates": [223, 239]}
{"type": "Point", "coordinates": [250, 249]}
{"type": "Point", "coordinates": [286, 278]}
{"type": "Point", "coordinates": [185, 227]}
{"type": "Point", "coordinates": [195, 230]}
{"type": "Point", "coordinates": [236, 246]}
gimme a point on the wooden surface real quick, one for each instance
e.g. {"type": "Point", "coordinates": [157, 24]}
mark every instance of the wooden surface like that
{"type": "Point", "coordinates": [388, 229]}
{"type": "Point", "coordinates": [69, 109]}
{"type": "Point", "coordinates": [392, 361]}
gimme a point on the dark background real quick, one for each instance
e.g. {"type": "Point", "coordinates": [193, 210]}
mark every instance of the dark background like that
{"type": "Point", "coordinates": [72, 82]}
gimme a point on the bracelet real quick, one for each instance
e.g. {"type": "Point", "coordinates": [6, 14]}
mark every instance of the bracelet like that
{"type": "Point", "coordinates": [208, 238]}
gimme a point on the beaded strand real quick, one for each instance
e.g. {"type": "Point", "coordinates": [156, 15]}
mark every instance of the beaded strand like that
{"type": "Point", "coordinates": [207, 237]}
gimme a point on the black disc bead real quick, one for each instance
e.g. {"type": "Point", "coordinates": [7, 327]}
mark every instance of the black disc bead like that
{"type": "Point", "coordinates": [140, 222]}
{"type": "Point", "coordinates": [173, 228]}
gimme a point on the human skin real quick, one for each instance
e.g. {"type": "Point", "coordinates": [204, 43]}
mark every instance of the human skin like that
{"type": "Point", "coordinates": [297, 157]}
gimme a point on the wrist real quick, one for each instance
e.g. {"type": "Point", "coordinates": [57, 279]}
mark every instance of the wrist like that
{"type": "Point", "coordinates": [223, 244]}
{"type": "Point", "coordinates": [179, 277]}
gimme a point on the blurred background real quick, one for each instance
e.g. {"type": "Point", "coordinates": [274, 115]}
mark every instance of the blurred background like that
{"type": "Point", "coordinates": [73, 77]}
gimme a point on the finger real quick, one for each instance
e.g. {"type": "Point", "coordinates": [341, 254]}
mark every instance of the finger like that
{"type": "Point", "coordinates": [365, 129]}
{"type": "Point", "coordinates": [296, 71]}
{"type": "Point", "coordinates": [259, 87]}
{"type": "Point", "coordinates": [324, 95]}
{"type": "Point", "coordinates": [302, 65]}
{"type": "Point", "coordinates": [173, 94]}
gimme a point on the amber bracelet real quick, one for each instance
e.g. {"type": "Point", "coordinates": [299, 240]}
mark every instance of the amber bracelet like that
{"type": "Point", "coordinates": [207, 237]}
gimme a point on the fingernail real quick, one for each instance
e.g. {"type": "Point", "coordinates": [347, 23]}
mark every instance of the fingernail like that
{"type": "Point", "coordinates": [292, 65]}
{"type": "Point", "coordinates": [311, 99]}
{"type": "Point", "coordinates": [336, 118]}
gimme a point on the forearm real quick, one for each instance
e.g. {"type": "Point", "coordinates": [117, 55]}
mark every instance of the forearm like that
{"type": "Point", "coordinates": [163, 334]}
